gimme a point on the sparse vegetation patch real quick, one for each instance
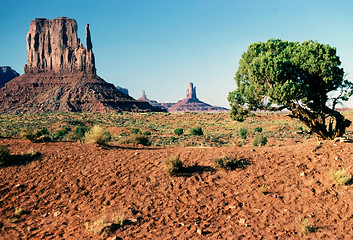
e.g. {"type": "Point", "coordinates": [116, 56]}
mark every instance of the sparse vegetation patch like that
{"type": "Point", "coordinates": [230, 163]}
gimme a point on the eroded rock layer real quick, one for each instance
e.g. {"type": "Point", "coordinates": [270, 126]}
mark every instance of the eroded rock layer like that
{"type": "Point", "coordinates": [53, 45]}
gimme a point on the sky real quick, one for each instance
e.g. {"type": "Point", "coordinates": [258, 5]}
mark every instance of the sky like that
{"type": "Point", "coordinates": [161, 45]}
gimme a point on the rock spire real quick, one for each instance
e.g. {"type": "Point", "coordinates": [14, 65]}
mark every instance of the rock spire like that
{"type": "Point", "coordinates": [53, 46]}
{"type": "Point", "coordinates": [191, 91]}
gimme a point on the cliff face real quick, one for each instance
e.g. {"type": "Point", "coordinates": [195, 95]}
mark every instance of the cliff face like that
{"type": "Point", "coordinates": [7, 74]}
{"type": "Point", "coordinates": [53, 45]}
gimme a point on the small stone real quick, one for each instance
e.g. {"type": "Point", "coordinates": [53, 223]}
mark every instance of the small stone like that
{"type": "Point", "coordinates": [242, 221]}
{"type": "Point", "coordinates": [199, 231]}
{"type": "Point", "coordinates": [302, 174]}
{"type": "Point", "coordinates": [56, 214]}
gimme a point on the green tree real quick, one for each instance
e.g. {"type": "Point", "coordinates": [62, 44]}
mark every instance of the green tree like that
{"type": "Point", "coordinates": [304, 78]}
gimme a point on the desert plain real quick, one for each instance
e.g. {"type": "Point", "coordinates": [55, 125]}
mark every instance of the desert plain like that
{"type": "Point", "coordinates": [70, 189]}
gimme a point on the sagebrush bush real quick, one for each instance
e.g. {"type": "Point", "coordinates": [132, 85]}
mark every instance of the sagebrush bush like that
{"type": "Point", "coordinates": [28, 133]}
{"type": "Point", "coordinates": [80, 132]}
{"type": "Point", "coordinates": [197, 131]}
{"type": "Point", "coordinates": [173, 166]}
{"type": "Point", "coordinates": [179, 131]}
{"type": "Point", "coordinates": [230, 163]}
{"type": "Point", "coordinates": [136, 139]}
{"type": "Point", "coordinates": [147, 133]}
{"type": "Point", "coordinates": [60, 134]}
{"type": "Point", "coordinates": [4, 155]}
{"type": "Point", "coordinates": [258, 129]}
{"type": "Point", "coordinates": [135, 131]}
{"type": "Point", "coordinates": [259, 140]}
{"type": "Point", "coordinates": [243, 132]}
{"type": "Point", "coordinates": [97, 135]}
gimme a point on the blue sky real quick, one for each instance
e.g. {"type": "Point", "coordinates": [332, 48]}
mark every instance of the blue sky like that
{"type": "Point", "coordinates": [161, 45]}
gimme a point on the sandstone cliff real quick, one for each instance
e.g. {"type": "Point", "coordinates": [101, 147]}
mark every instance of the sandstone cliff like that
{"type": "Point", "coordinates": [53, 45]}
{"type": "Point", "coordinates": [60, 75]}
{"type": "Point", "coordinates": [7, 74]}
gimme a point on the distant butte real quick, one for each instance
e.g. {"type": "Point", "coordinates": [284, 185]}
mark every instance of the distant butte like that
{"type": "Point", "coordinates": [7, 74]}
{"type": "Point", "coordinates": [60, 75]}
{"type": "Point", "coordinates": [189, 104]}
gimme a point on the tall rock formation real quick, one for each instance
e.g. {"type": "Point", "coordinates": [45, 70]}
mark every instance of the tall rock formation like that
{"type": "Point", "coordinates": [191, 92]}
{"type": "Point", "coordinates": [192, 104]}
{"type": "Point", "coordinates": [53, 46]}
{"type": "Point", "coordinates": [60, 75]}
{"type": "Point", "coordinates": [7, 74]}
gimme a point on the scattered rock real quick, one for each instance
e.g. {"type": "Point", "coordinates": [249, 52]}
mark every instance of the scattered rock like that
{"type": "Point", "coordinates": [56, 214]}
{"type": "Point", "coordinates": [242, 221]}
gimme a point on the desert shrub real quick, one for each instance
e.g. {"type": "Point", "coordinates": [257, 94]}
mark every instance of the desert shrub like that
{"type": "Point", "coordinates": [258, 129]}
{"type": "Point", "coordinates": [4, 155]}
{"type": "Point", "coordinates": [243, 132]}
{"type": "Point", "coordinates": [28, 133]}
{"type": "Point", "coordinates": [135, 131]}
{"type": "Point", "coordinates": [106, 224]}
{"type": "Point", "coordinates": [259, 140]}
{"type": "Point", "coordinates": [80, 132]}
{"type": "Point", "coordinates": [230, 163]}
{"type": "Point", "coordinates": [75, 122]}
{"type": "Point", "coordinates": [340, 177]}
{"type": "Point", "coordinates": [60, 134]}
{"type": "Point", "coordinates": [172, 139]}
{"type": "Point", "coordinates": [305, 226]}
{"type": "Point", "coordinates": [197, 131]}
{"type": "Point", "coordinates": [179, 131]}
{"type": "Point", "coordinates": [264, 189]}
{"type": "Point", "coordinates": [97, 135]}
{"type": "Point", "coordinates": [19, 211]}
{"type": "Point", "coordinates": [173, 166]}
{"type": "Point", "coordinates": [147, 133]}
{"type": "Point", "coordinates": [43, 131]}
{"type": "Point", "coordinates": [136, 139]}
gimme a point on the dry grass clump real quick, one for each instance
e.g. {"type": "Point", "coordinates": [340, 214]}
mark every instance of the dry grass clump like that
{"type": "Point", "coordinates": [97, 135]}
{"type": "Point", "coordinates": [173, 166]}
{"type": "Point", "coordinates": [106, 224]}
{"type": "Point", "coordinates": [230, 163]}
{"type": "Point", "coordinates": [341, 177]}
{"type": "Point", "coordinates": [305, 226]}
{"type": "Point", "coordinates": [264, 189]}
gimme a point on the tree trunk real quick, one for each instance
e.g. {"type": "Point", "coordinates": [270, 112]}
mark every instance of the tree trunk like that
{"type": "Point", "coordinates": [316, 121]}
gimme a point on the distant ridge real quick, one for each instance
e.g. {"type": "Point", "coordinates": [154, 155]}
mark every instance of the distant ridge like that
{"type": "Point", "coordinates": [189, 104]}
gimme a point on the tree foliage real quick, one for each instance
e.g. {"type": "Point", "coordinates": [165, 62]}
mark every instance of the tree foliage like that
{"type": "Point", "coordinates": [305, 78]}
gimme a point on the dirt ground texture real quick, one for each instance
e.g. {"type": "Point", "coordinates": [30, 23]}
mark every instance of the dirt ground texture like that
{"type": "Point", "coordinates": [80, 191]}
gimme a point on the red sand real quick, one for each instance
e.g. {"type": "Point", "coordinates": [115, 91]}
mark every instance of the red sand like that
{"type": "Point", "coordinates": [71, 184]}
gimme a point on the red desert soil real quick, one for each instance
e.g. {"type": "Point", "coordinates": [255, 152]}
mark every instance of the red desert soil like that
{"type": "Point", "coordinates": [71, 186]}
